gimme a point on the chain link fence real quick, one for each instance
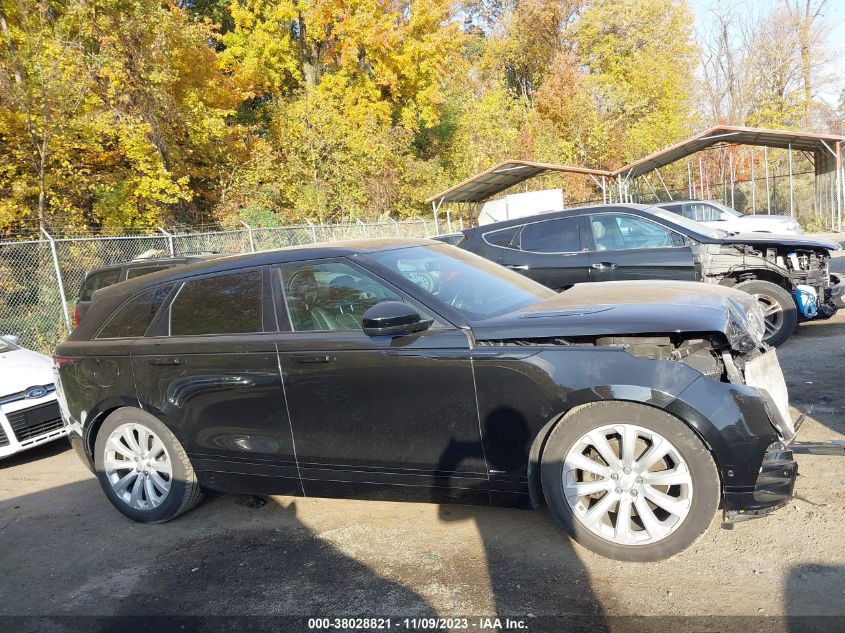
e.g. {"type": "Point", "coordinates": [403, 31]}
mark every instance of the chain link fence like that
{"type": "Point", "coordinates": [40, 279]}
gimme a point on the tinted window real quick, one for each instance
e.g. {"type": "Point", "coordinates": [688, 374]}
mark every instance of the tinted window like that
{"type": "Point", "coordinates": [622, 232]}
{"type": "Point", "coordinates": [331, 297]}
{"type": "Point", "coordinates": [502, 237]}
{"type": "Point", "coordinates": [551, 236]}
{"type": "Point", "coordinates": [143, 270]}
{"type": "Point", "coordinates": [95, 281]}
{"type": "Point", "coordinates": [230, 304]}
{"type": "Point", "coordinates": [134, 317]}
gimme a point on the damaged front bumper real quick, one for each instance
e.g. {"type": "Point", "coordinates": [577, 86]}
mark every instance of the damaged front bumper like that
{"type": "Point", "coordinates": [774, 487]}
{"type": "Point", "coordinates": [837, 292]}
{"type": "Point", "coordinates": [776, 478]}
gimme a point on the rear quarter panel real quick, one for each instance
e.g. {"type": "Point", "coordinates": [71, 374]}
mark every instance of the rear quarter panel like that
{"type": "Point", "coordinates": [98, 381]}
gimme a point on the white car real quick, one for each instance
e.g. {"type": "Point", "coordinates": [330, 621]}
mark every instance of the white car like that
{"type": "Point", "coordinates": [29, 411]}
{"type": "Point", "coordinates": [723, 217]}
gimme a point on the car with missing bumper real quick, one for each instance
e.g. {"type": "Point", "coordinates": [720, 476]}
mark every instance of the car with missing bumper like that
{"type": "Point", "coordinates": [29, 412]}
{"type": "Point", "coordinates": [789, 275]}
{"type": "Point", "coordinates": [413, 370]}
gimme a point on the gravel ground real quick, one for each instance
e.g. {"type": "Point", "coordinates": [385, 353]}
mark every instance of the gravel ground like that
{"type": "Point", "coordinates": [65, 551]}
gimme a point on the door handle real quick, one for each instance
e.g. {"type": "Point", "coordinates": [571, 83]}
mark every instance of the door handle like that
{"type": "Point", "coordinates": [513, 267]}
{"type": "Point", "coordinates": [165, 360]}
{"type": "Point", "coordinates": [322, 358]}
{"type": "Point", "coordinates": [604, 266]}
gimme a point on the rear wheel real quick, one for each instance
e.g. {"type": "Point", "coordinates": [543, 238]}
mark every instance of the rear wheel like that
{"type": "Point", "coordinates": [143, 468]}
{"type": "Point", "coordinates": [629, 481]}
{"type": "Point", "coordinates": [779, 310]}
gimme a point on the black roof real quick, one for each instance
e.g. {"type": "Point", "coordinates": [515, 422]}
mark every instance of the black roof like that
{"type": "Point", "coordinates": [262, 258]}
{"type": "Point", "coordinates": [110, 297]}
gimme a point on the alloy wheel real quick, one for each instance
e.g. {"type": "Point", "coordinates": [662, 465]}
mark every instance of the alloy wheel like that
{"type": "Point", "coordinates": [772, 314]}
{"type": "Point", "coordinates": [627, 484]}
{"type": "Point", "coordinates": [138, 466]}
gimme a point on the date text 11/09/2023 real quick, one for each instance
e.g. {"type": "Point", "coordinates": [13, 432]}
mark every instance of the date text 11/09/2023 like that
{"type": "Point", "coordinates": [418, 624]}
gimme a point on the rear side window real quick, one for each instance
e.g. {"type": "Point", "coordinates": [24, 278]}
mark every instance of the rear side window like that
{"type": "Point", "coordinates": [134, 317]}
{"type": "Point", "coordinates": [229, 304]}
{"type": "Point", "coordinates": [551, 236]}
{"type": "Point", "coordinates": [95, 281]}
{"type": "Point", "coordinates": [144, 270]}
{"type": "Point", "coordinates": [504, 237]}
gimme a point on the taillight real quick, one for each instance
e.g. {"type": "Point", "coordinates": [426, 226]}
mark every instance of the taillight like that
{"type": "Point", "coordinates": [75, 316]}
{"type": "Point", "coordinates": [64, 361]}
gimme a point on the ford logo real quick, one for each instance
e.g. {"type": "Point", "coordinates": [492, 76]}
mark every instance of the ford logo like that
{"type": "Point", "coordinates": [36, 392]}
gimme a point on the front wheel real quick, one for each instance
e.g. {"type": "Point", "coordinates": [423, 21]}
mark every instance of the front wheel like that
{"type": "Point", "coordinates": [779, 309]}
{"type": "Point", "coordinates": [143, 468]}
{"type": "Point", "coordinates": [629, 481]}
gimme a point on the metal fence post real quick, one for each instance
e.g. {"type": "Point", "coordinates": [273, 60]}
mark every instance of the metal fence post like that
{"type": "Point", "coordinates": [358, 220]}
{"type": "Point", "coordinates": [313, 231]}
{"type": "Point", "coordinates": [58, 277]}
{"type": "Point", "coordinates": [169, 240]}
{"type": "Point", "coordinates": [249, 233]}
{"type": "Point", "coordinates": [395, 226]}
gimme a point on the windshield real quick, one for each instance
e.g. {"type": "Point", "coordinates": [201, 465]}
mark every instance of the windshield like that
{"type": "Point", "coordinates": [474, 286]}
{"type": "Point", "coordinates": [690, 225]}
{"type": "Point", "coordinates": [6, 346]}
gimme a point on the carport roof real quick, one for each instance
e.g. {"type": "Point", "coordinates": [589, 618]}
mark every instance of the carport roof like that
{"type": "Point", "coordinates": [503, 176]}
{"type": "Point", "coordinates": [733, 135]}
{"type": "Point", "coordinates": [512, 172]}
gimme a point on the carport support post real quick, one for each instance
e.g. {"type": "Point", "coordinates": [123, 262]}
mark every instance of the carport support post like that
{"type": "Point", "coordinates": [434, 207]}
{"type": "Point", "coordinates": [733, 182]}
{"type": "Point", "coordinates": [662, 182]}
{"type": "Point", "coordinates": [449, 218]}
{"type": "Point", "coordinates": [700, 177]}
{"type": "Point", "coordinates": [768, 192]}
{"type": "Point", "coordinates": [59, 281]}
{"type": "Point", "coordinates": [169, 240]}
{"type": "Point", "coordinates": [791, 188]}
{"type": "Point", "coordinates": [689, 181]}
{"type": "Point", "coordinates": [753, 185]}
{"type": "Point", "coordinates": [603, 190]}
{"type": "Point", "coordinates": [840, 193]}
{"type": "Point", "coordinates": [249, 235]}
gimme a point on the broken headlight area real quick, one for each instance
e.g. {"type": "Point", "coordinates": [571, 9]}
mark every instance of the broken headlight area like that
{"type": "Point", "coordinates": [746, 326]}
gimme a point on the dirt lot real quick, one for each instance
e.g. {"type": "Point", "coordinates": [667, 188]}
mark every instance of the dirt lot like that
{"type": "Point", "coordinates": [65, 551]}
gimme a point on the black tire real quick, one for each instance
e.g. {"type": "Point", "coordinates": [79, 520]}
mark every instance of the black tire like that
{"type": "Point", "coordinates": [769, 293]}
{"type": "Point", "coordinates": [705, 478]}
{"type": "Point", "coordinates": [184, 491]}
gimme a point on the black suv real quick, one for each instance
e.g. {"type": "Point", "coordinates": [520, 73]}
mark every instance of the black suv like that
{"type": "Point", "coordinates": [789, 275]}
{"type": "Point", "coordinates": [410, 369]}
{"type": "Point", "coordinates": [110, 275]}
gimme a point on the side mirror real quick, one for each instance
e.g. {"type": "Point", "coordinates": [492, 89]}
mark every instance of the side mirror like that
{"type": "Point", "coordinates": [393, 317]}
{"type": "Point", "coordinates": [14, 340]}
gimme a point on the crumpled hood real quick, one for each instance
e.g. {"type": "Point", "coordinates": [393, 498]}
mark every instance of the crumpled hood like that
{"type": "Point", "coordinates": [769, 239]}
{"type": "Point", "coordinates": [624, 307]}
{"type": "Point", "coordinates": [23, 368]}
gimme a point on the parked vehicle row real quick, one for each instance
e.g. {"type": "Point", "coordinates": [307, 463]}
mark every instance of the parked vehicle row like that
{"type": "Point", "coordinates": [409, 369]}
{"type": "Point", "coordinates": [788, 275]}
